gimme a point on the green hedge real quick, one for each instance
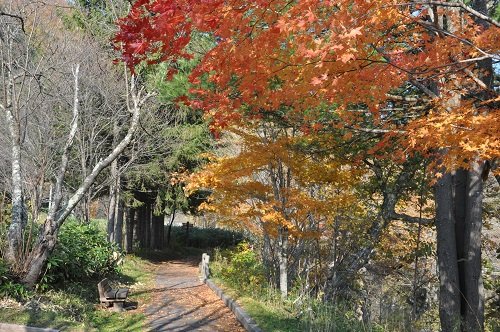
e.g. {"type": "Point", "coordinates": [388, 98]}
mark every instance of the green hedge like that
{"type": "Point", "coordinates": [204, 237]}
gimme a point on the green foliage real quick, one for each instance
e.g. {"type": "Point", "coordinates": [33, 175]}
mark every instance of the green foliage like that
{"type": "Point", "coordinates": [299, 312]}
{"type": "Point", "coordinates": [8, 287]}
{"type": "Point", "coordinates": [240, 268]}
{"type": "Point", "coordinates": [82, 253]}
{"type": "Point", "coordinates": [242, 276]}
{"type": "Point", "coordinates": [95, 17]}
{"type": "Point", "coordinates": [4, 225]}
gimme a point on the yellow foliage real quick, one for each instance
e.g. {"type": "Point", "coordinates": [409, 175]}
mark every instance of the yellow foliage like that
{"type": "Point", "coordinates": [270, 184]}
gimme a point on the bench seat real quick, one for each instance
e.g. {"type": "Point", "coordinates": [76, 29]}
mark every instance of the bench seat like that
{"type": "Point", "coordinates": [111, 296]}
{"type": "Point", "coordinates": [120, 293]}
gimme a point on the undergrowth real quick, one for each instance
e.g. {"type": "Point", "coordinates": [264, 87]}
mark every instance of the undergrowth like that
{"type": "Point", "coordinates": [74, 305]}
{"type": "Point", "coordinates": [242, 275]}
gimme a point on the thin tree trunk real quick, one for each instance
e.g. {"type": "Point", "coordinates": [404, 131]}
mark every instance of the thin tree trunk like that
{"type": "Point", "coordinates": [169, 232]}
{"type": "Point", "coordinates": [148, 224]}
{"type": "Point", "coordinates": [162, 231]}
{"type": "Point", "coordinates": [113, 188]}
{"type": "Point", "coordinates": [283, 261]}
{"type": "Point", "coordinates": [267, 258]}
{"type": "Point", "coordinates": [140, 228]}
{"type": "Point", "coordinates": [87, 203]}
{"type": "Point", "coordinates": [86, 200]}
{"type": "Point", "coordinates": [156, 236]}
{"type": "Point", "coordinates": [18, 211]}
{"type": "Point", "coordinates": [129, 239]}
{"type": "Point", "coordinates": [118, 232]}
{"type": "Point", "coordinates": [112, 211]}
{"type": "Point", "coordinates": [2, 204]}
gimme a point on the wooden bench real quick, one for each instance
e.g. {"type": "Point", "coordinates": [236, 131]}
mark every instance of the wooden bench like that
{"type": "Point", "coordinates": [112, 296]}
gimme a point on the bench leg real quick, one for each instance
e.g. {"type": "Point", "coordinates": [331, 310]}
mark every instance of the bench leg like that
{"type": "Point", "coordinates": [106, 304]}
{"type": "Point", "coordinates": [118, 306]}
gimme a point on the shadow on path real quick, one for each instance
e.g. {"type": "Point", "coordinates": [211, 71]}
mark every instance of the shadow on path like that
{"type": "Point", "coordinates": [181, 302]}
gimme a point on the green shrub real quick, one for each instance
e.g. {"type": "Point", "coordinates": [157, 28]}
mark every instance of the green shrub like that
{"type": "Point", "coordinates": [240, 268]}
{"type": "Point", "coordinates": [8, 287]}
{"type": "Point", "coordinates": [82, 253]}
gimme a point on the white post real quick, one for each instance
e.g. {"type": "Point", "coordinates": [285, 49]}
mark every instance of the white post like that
{"type": "Point", "coordinates": [205, 270]}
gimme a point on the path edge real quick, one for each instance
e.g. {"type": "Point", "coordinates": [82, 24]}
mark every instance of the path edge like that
{"type": "Point", "coordinates": [248, 323]}
{"type": "Point", "coordinates": [23, 328]}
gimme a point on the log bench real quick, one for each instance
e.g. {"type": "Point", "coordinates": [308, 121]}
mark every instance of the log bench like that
{"type": "Point", "coordinates": [112, 296]}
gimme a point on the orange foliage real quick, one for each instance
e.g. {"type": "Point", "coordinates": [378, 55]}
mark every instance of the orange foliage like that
{"type": "Point", "coordinates": [350, 52]}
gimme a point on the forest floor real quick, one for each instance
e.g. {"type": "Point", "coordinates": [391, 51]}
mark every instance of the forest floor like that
{"type": "Point", "coordinates": [181, 302]}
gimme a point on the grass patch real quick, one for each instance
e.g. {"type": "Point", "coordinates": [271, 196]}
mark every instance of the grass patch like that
{"type": "Point", "coordinates": [38, 319]}
{"type": "Point", "coordinates": [269, 318]}
{"type": "Point", "coordinates": [74, 306]}
{"type": "Point", "coordinates": [268, 313]}
{"type": "Point", "coordinates": [241, 275]}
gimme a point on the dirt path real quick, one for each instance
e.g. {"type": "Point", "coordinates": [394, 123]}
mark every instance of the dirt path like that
{"type": "Point", "coordinates": [181, 302]}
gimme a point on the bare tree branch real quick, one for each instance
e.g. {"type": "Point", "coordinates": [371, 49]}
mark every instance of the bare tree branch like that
{"type": "Point", "coordinates": [457, 4]}
{"type": "Point", "coordinates": [415, 220]}
{"type": "Point", "coordinates": [14, 16]}
{"type": "Point", "coordinates": [67, 146]}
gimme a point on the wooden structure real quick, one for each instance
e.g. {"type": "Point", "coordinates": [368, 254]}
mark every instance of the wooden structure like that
{"type": "Point", "coordinates": [112, 296]}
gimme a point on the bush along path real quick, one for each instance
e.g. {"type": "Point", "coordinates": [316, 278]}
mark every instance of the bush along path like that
{"type": "Point", "coordinates": [181, 302]}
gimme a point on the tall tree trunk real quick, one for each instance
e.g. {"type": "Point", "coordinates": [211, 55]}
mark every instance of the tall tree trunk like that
{"type": "Point", "coordinates": [118, 232]}
{"type": "Point", "coordinates": [141, 228]}
{"type": "Point", "coordinates": [473, 283]}
{"type": "Point", "coordinates": [113, 200]}
{"type": "Point", "coordinates": [129, 238]}
{"type": "Point", "coordinates": [156, 236]}
{"type": "Point", "coordinates": [169, 232]}
{"type": "Point", "coordinates": [459, 184]}
{"type": "Point", "coordinates": [148, 224]}
{"type": "Point", "coordinates": [114, 188]}
{"type": "Point", "coordinates": [283, 261]}
{"type": "Point", "coordinates": [18, 211]}
{"type": "Point", "coordinates": [466, 199]}
{"type": "Point", "coordinates": [449, 290]}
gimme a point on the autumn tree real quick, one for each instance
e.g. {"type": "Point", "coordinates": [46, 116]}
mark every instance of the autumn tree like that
{"type": "Point", "coordinates": [278, 192]}
{"type": "Point", "coordinates": [353, 54]}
